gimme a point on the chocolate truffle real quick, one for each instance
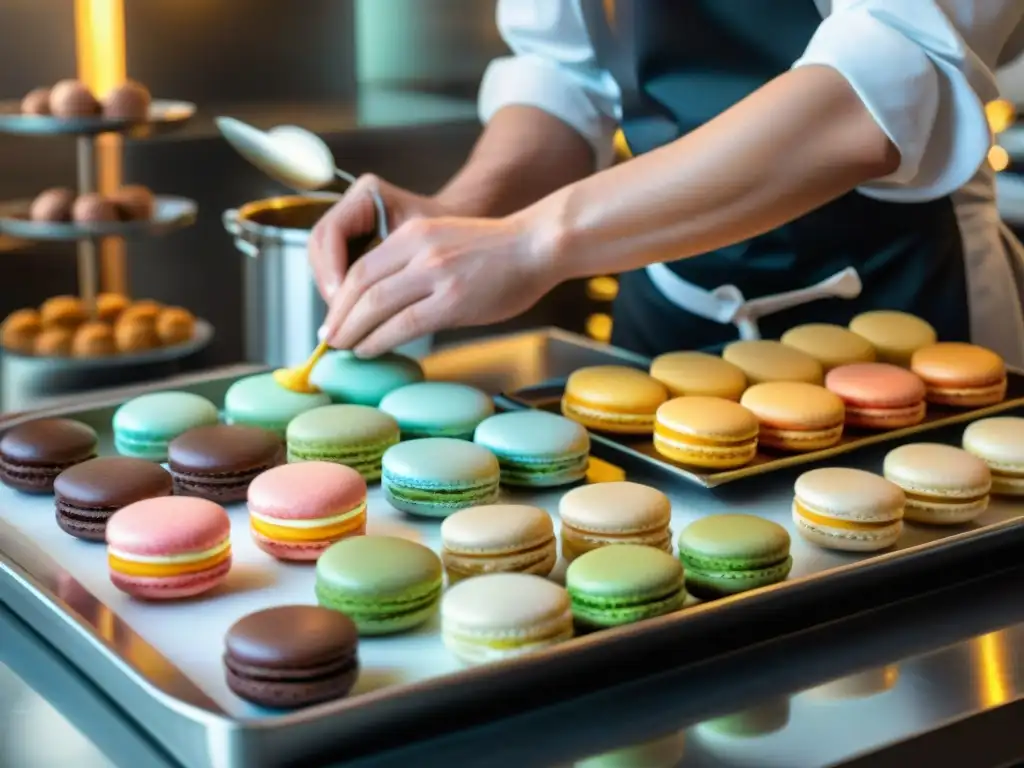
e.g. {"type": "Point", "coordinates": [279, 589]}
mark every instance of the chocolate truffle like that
{"type": "Point", "coordinates": [34, 453]}
{"type": "Point", "coordinates": [109, 306]}
{"type": "Point", "coordinates": [72, 98]}
{"type": "Point", "coordinates": [134, 203]}
{"type": "Point", "coordinates": [94, 339]}
{"type": "Point", "coordinates": [20, 330]}
{"type": "Point", "coordinates": [93, 208]}
{"type": "Point", "coordinates": [90, 492]}
{"type": "Point", "coordinates": [36, 102]}
{"type": "Point", "coordinates": [54, 342]}
{"type": "Point", "coordinates": [292, 656]}
{"type": "Point", "coordinates": [218, 462]}
{"type": "Point", "coordinates": [129, 101]}
{"type": "Point", "coordinates": [175, 325]}
{"type": "Point", "coordinates": [135, 334]}
{"type": "Point", "coordinates": [52, 205]}
{"type": "Point", "coordinates": [63, 312]}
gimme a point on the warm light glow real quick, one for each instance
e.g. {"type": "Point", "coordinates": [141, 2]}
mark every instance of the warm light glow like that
{"type": "Point", "coordinates": [599, 327]}
{"type": "Point", "coordinates": [993, 663]}
{"type": "Point", "coordinates": [100, 37]}
{"type": "Point", "coordinates": [622, 150]}
{"type": "Point", "coordinates": [1001, 115]}
{"type": "Point", "coordinates": [602, 289]}
{"type": "Point", "coordinates": [998, 158]}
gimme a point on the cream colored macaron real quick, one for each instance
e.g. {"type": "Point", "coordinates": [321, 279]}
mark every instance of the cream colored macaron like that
{"type": "Point", "coordinates": [500, 615]}
{"type": "Point", "coordinates": [603, 514]}
{"type": "Point", "coordinates": [848, 509]}
{"type": "Point", "coordinates": [999, 442]}
{"type": "Point", "coordinates": [944, 485]}
{"type": "Point", "coordinates": [689, 374]}
{"type": "Point", "coordinates": [498, 538]}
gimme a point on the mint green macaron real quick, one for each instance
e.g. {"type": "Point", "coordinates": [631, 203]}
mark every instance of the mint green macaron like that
{"type": "Point", "coordinates": [727, 554]}
{"type": "Point", "coordinates": [385, 584]}
{"type": "Point", "coordinates": [623, 584]}
{"type": "Point", "coordinates": [436, 476]}
{"type": "Point", "coordinates": [438, 409]}
{"type": "Point", "coordinates": [354, 435]}
{"type": "Point", "coordinates": [259, 401]}
{"type": "Point", "coordinates": [144, 426]}
{"type": "Point", "coordinates": [357, 381]}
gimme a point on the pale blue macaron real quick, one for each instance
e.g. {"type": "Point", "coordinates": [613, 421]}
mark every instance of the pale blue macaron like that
{"type": "Point", "coordinates": [259, 401]}
{"type": "Point", "coordinates": [536, 448]}
{"type": "Point", "coordinates": [145, 425]}
{"type": "Point", "coordinates": [437, 409]}
{"type": "Point", "coordinates": [437, 476]}
{"type": "Point", "coordinates": [352, 380]}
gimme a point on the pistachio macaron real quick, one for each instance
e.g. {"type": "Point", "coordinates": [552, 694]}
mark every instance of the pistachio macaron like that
{"type": "Point", "coordinates": [728, 554]}
{"type": "Point", "coordinates": [707, 432]}
{"type": "Point", "coordinates": [698, 374]}
{"type": "Point", "coordinates": [944, 485]}
{"type": "Point", "coordinates": [999, 442]}
{"type": "Point", "coordinates": [498, 538]}
{"type": "Point", "coordinates": [614, 513]}
{"type": "Point", "coordinates": [796, 417]}
{"type": "Point", "coordinates": [503, 615]}
{"type": "Point", "coordinates": [848, 509]}
{"type": "Point", "coordinates": [830, 345]}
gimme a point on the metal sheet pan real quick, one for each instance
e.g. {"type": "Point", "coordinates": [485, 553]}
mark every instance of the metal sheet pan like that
{"type": "Point", "coordinates": [161, 663]}
{"type": "Point", "coordinates": [548, 396]}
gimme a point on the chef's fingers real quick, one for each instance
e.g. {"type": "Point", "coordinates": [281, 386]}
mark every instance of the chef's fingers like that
{"type": "Point", "coordinates": [414, 321]}
{"type": "Point", "coordinates": [377, 305]}
{"type": "Point", "coordinates": [352, 216]}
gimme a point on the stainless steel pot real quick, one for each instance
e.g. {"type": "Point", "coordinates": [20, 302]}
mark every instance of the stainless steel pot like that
{"type": "Point", "coordinates": [283, 309]}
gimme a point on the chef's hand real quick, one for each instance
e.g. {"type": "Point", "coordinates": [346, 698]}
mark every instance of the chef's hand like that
{"type": "Point", "coordinates": [435, 273]}
{"type": "Point", "coordinates": [355, 216]}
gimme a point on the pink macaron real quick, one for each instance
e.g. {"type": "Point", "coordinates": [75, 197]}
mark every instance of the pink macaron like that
{"type": "Point", "coordinates": [878, 395]}
{"type": "Point", "coordinates": [296, 511]}
{"type": "Point", "coordinates": [169, 548]}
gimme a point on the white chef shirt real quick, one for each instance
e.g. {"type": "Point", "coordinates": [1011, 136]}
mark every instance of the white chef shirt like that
{"type": "Point", "coordinates": [923, 68]}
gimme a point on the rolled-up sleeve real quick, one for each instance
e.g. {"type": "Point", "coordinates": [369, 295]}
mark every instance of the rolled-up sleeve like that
{"type": "Point", "coordinates": [910, 63]}
{"type": "Point", "coordinates": [553, 68]}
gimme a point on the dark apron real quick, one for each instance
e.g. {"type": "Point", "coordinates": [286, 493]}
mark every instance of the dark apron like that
{"type": "Point", "coordinates": [680, 63]}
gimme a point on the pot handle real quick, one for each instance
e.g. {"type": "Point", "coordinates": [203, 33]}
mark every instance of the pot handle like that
{"type": "Point", "coordinates": [230, 220]}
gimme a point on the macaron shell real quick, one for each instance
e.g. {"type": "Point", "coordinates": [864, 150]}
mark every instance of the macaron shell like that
{"type": "Point", "coordinates": [830, 345]}
{"type": "Point", "coordinates": [615, 508]}
{"type": "Point", "coordinates": [706, 432]}
{"type": "Point", "coordinates": [999, 442]}
{"type": "Point", "coordinates": [850, 494]}
{"type": "Point", "coordinates": [628, 570]}
{"type": "Point", "coordinates": [763, 361]}
{"type": "Point", "coordinates": [576, 543]}
{"type": "Point", "coordinates": [378, 566]}
{"type": "Point", "coordinates": [734, 542]}
{"type": "Point", "coordinates": [532, 433]}
{"type": "Point", "coordinates": [307, 491]}
{"type": "Point", "coordinates": [795, 416]}
{"type": "Point", "coordinates": [944, 485]}
{"type": "Point", "coordinates": [260, 401]}
{"type": "Point", "coordinates": [164, 414]}
{"type": "Point", "coordinates": [876, 385]}
{"type": "Point", "coordinates": [437, 409]}
{"type": "Point", "coordinates": [172, 587]}
{"type": "Point", "coordinates": [698, 374]}
{"type": "Point", "coordinates": [170, 525]}
{"type": "Point", "coordinates": [441, 461]}
{"type": "Point", "coordinates": [961, 374]}
{"type": "Point", "coordinates": [496, 529]}
{"type": "Point", "coordinates": [48, 442]}
{"type": "Point", "coordinates": [894, 335]}
{"type": "Point", "coordinates": [346, 378]}
{"type": "Point", "coordinates": [613, 399]}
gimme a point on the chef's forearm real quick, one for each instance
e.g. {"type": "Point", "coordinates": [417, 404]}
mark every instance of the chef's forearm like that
{"type": "Point", "coordinates": [799, 142]}
{"type": "Point", "coordinates": [523, 155]}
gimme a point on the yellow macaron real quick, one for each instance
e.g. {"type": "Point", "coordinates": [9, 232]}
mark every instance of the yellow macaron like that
{"type": "Point", "coordinates": [896, 336]}
{"type": "Point", "coordinates": [707, 432]}
{"type": "Point", "coordinates": [796, 417]}
{"type": "Point", "coordinates": [764, 360]}
{"type": "Point", "coordinates": [830, 345]}
{"type": "Point", "coordinates": [612, 398]}
{"type": "Point", "coordinates": [700, 374]}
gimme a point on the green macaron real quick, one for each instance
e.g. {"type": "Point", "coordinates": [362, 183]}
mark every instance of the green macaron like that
{"type": "Point", "coordinates": [727, 554]}
{"type": "Point", "coordinates": [358, 381]}
{"type": "Point", "coordinates": [354, 435]}
{"type": "Point", "coordinates": [259, 401]}
{"type": "Point", "coordinates": [436, 476]}
{"type": "Point", "coordinates": [385, 584]}
{"type": "Point", "coordinates": [624, 583]}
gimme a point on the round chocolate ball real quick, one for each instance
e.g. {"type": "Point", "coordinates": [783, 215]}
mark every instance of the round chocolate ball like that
{"type": "Point", "coordinates": [93, 208]}
{"type": "Point", "coordinates": [52, 205]}
{"type": "Point", "coordinates": [134, 203]}
{"type": "Point", "coordinates": [72, 98]}
{"type": "Point", "coordinates": [36, 102]}
{"type": "Point", "coordinates": [129, 101]}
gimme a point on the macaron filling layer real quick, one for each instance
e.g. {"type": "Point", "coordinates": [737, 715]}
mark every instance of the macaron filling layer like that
{"type": "Point", "coordinates": [847, 524]}
{"type": "Point", "coordinates": [378, 612]}
{"type": "Point", "coordinates": [535, 470]}
{"type": "Point", "coordinates": [608, 414]}
{"type": "Point", "coordinates": [724, 448]}
{"type": "Point", "coordinates": [576, 542]}
{"type": "Point", "coordinates": [141, 444]}
{"type": "Point", "coordinates": [780, 437]}
{"type": "Point", "coordinates": [153, 566]}
{"type": "Point", "coordinates": [428, 494]}
{"type": "Point", "coordinates": [708, 580]}
{"type": "Point", "coordinates": [614, 610]}
{"type": "Point", "coordinates": [365, 459]}
{"type": "Point", "coordinates": [534, 557]}
{"type": "Point", "coordinates": [320, 529]}
{"type": "Point", "coordinates": [475, 642]}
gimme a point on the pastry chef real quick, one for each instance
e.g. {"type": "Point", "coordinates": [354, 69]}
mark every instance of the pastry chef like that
{"type": "Point", "coordinates": [792, 161]}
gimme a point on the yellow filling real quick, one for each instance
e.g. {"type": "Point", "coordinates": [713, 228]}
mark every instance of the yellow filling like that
{"type": "Point", "coordinates": [927, 498]}
{"type": "Point", "coordinates": [158, 570]}
{"type": "Point", "coordinates": [687, 439]}
{"type": "Point", "coordinates": [606, 408]}
{"type": "Point", "coordinates": [846, 525]}
{"type": "Point", "coordinates": [321, 533]}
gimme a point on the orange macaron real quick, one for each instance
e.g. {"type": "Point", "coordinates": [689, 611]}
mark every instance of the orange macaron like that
{"type": "Point", "coordinates": [613, 398]}
{"type": "Point", "coordinates": [708, 432]}
{"type": "Point", "coordinates": [960, 375]}
{"type": "Point", "coordinates": [794, 416]}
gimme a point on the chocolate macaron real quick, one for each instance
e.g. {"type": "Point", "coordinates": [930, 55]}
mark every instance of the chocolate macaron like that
{"type": "Point", "coordinates": [90, 492]}
{"type": "Point", "coordinates": [34, 453]}
{"type": "Point", "coordinates": [292, 656]}
{"type": "Point", "coordinates": [218, 462]}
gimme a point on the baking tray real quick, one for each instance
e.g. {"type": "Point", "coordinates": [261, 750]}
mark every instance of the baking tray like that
{"type": "Point", "coordinates": [161, 663]}
{"type": "Point", "coordinates": [548, 397]}
{"type": "Point", "coordinates": [165, 116]}
{"type": "Point", "coordinates": [170, 214]}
